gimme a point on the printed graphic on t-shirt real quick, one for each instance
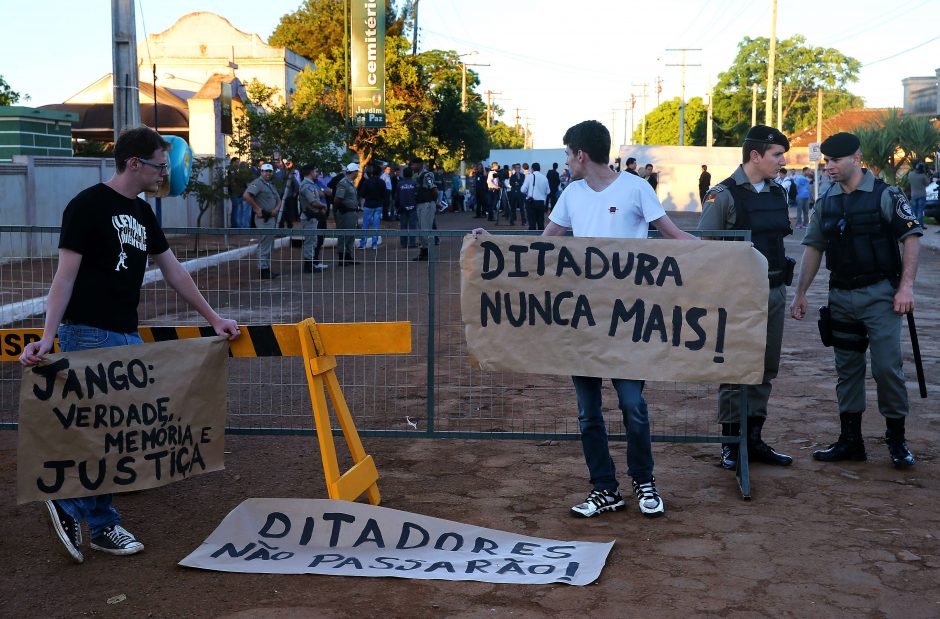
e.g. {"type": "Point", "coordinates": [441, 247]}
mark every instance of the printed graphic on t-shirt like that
{"type": "Point", "coordinates": [130, 232]}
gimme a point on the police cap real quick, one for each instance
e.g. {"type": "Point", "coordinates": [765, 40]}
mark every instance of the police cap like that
{"type": "Point", "coordinates": [767, 135]}
{"type": "Point", "coordinates": [840, 144]}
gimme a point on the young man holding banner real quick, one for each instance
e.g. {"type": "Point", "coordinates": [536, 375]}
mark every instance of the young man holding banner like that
{"type": "Point", "coordinates": [107, 233]}
{"type": "Point", "coordinates": [750, 200]}
{"type": "Point", "coordinates": [604, 203]}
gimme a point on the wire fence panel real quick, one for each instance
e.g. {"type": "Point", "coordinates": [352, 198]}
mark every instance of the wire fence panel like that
{"type": "Point", "coordinates": [434, 391]}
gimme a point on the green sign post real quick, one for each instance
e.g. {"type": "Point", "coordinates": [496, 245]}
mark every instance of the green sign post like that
{"type": "Point", "coordinates": [367, 57]}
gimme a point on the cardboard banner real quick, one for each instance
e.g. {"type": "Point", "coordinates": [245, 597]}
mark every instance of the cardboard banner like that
{"type": "Point", "coordinates": [367, 59]}
{"type": "Point", "coordinates": [121, 419]}
{"type": "Point", "coordinates": [340, 538]}
{"type": "Point", "coordinates": [663, 310]}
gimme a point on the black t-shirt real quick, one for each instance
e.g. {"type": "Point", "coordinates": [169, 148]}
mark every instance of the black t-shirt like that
{"type": "Point", "coordinates": [373, 191]}
{"type": "Point", "coordinates": [113, 234]}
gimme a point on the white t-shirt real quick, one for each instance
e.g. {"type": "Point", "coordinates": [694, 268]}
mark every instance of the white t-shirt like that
{"type": "Point", "coordinates": [622, 210]}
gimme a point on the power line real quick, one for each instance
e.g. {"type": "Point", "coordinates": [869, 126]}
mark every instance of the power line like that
{"type": "Point", "coordinates": [910, 49]}
{"type": "Point", "coordinates": [878, 23]}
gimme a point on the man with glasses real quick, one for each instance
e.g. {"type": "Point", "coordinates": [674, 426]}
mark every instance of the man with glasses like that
{"type": "Point", "coordinates": [107, 235]}
{"type": "Point", "coordinates": [265, 201]}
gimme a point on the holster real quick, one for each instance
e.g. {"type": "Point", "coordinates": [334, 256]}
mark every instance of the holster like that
{"type": "Point", "coordinates": [788, 271]}
{"type": "Point", "coordinates": [828, 329]}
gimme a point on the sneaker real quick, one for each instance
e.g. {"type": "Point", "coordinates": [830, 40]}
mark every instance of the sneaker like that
{"type": "Point", "coordinates": [117, 540]}
{"type": "Point", "coordinates": [321, 266]}
{"type": "Point", "coordinates": [651, 504]}
{"type": "Point", "coordinates": [598, 502]}
{"type": "Point", "coordinates": [66, 529]}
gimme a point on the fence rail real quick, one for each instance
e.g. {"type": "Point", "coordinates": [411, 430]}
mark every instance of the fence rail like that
{"type": "Point", "coordinates": [433, 392]}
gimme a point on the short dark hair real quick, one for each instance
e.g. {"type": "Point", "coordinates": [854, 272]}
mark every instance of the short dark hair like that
{"type": "Point", "coordinates": [759, 146]}
{"type": "Point", "coordinates": [649, 165]}
{"type": "Point", "coordinates": [536, 166]}
{"type": "Point", "coordinates": [591, 137]}
{"type": "Point", "coordinates": [408, 172]}
{"type": "Point", "coordinates": [555, 166]}
{"type": "Point", "coordinates": [307, 169]}
{"type": "Point", "coordinates": [704, 167]}
{"type": "Point", "coordinates": [631, 160]}
{"type": "Point", "coordinates": [139, 141]}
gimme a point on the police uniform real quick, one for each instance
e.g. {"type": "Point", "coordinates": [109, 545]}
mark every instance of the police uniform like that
{"type": "Point", "coordinates": [859, 234]}
{"type": "Point", "coordinates": [735, 204]}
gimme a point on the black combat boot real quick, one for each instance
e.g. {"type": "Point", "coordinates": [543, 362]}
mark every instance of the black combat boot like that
{"type": "Point", "coordinates": [850, 445]}
{"type": "Point", "coordinates": [897, 446]}
{"type": "Point", "coordinates": [760, 451]}
{"type": "Point", "coordinates": [422, 255]}
{"type": "Point", "coordinates": [308, 266]}
{"type": "Point", "coordinates": [729, 451]}
{"type": "Point", "coordinates": [267, 274]}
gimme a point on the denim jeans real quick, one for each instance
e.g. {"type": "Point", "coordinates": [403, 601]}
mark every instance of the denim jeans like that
{"type": "Point", "coordinates": [240, 212]}
{"type": "Point", "coordinates": [371, 217]}
{"type": "Point", "coordinates": [594, 431]}
{"type": "Point", "coordinates": [96, 510]}
{"type": "Point", "coordinates": [408, 220]}
{"type": "Point", "coordinates": [918, 205]}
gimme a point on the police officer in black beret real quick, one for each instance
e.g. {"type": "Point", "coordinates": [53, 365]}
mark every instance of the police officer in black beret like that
{"type": "Point", "coordinates": [858, 224]}
{"type": "Point", "coordinates": [751, 200]}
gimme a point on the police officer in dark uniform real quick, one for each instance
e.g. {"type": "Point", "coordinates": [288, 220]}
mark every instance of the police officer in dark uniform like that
{"type": "Point", "coordinates": [858, 224]}
{"type": "Point", "coordinates": [750, 200]}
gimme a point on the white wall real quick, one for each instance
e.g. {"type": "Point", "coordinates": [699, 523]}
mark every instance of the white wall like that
{"type": "Point", "coordinates": [35, 190]}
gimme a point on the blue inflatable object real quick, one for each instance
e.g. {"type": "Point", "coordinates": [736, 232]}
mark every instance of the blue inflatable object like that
{"type": "Point", "coordinates": [180, 160]}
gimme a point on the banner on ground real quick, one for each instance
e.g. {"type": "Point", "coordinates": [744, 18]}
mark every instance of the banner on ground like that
{"type": "Point", "coordinates": [121, 419]}
{"type": "Point", "coordinates": [367, 57]}
{"type": "Point", "coordinates": [663, 310]}
{"type": "Point", "coordinates": [340, 538]}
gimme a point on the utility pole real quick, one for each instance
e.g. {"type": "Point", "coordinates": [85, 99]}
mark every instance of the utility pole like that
{"type": "Point", "coordinates": [771, 58]}
{"type": "Point", "coordinates": [518, 126]}
{"type": "Point", "coordinates": [414, 33]}
{"type": "Point", "coordinates": [643, 125]}
{"type": "Point", "coordinates": [463, 108]}
{"type": "Point", "coordinates": [753, 104]}
{"type": "Point", "coordinates": [780, 105]}
{"type": "Point", "coordinates": [489, 106]}
{"type": "Point", "coordinates": [124, 66]}
{"type": "Point", "coordinates": [709, 134]}
{"type": "Point", "coordinates": [682, 87]}
{"type": "Point", "coordinates": [613, 127]}
{"type": "Point", "coordinates": [630, 105]}
{"type": "Point", "coordinates": [659, 88]}
{"type": "Point", "coordinates": [819, 114]}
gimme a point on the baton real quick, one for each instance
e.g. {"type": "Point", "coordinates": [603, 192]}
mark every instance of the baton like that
{"type": "Point", "coordinates": [918, 363]}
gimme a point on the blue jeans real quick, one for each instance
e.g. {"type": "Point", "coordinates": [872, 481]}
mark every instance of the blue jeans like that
{"type": "Point", "coordinates": [594, 431]}
{"type": "Point", "coordinates": [408, 220]}
{"type": "Point", "coordinates": [96, 510]}
{"type": "Point", "coordinates": [240, 212]}
{"type": "Point", "coordinates": [370, 220]}
{"type": "Point", "coordinates": [918, 205]}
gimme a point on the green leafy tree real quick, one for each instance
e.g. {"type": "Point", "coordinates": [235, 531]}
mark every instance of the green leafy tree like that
{"type": "Point", "coordinates": [662, 124]}
{"type": "Point", "coordinates": [802, 68]}
{"type": "Point", "coordinates": [8, 96]}
{"type": "Point", "coordinates": [266, 128]}
{"type": "Point", "coordinates": [894, 142]}
{"type": "Point", "coordinates": [504, 136]}
{"type": "Point", "coordinates": [316, 28]}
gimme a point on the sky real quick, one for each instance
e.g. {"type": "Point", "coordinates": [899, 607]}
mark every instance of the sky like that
{"type": "Point", "coordinates": [558, 62]}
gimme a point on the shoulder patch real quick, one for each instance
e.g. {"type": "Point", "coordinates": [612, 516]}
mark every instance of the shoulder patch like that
{"type": "Point", "coordinates": [901, 206]}
{"type": "Point", "coordinates": [712, 193]}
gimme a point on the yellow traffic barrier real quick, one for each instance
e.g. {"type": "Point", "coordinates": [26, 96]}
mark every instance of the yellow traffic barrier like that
{"type": "Point", "coordinates": [319, 345]}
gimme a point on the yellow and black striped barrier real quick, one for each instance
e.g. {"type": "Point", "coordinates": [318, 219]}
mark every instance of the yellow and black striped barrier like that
{"type": "Point", "coordinates": [319, 344]}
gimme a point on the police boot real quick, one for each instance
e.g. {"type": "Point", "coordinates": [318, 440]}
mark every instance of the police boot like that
{"type": "Point", "coordinates": [308, 266]}
{"type": "Point", "coordinates": [850, 445]}
{"type": "Point", "coordinates": [760, 451]}
{"type": "Point", "coordinates": [729, 451]}
{"type": "Point", "coordinates": [422, 255]}
{"type": "Point", "coordinates": [267, 274]}
{"type": "Point", "coordinates": [897, 446]}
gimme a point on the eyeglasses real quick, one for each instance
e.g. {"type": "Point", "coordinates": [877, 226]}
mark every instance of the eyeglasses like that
{"type": "Point", "coordinates": [163, 167]}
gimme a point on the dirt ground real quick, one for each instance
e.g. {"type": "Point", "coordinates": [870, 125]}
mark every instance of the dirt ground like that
{"type": "Point", "coordinates": [816, 540]}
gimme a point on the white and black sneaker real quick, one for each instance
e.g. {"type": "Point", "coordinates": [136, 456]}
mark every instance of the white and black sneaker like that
{"type": "Point", "coordinates": [598, 502]}
{"type": "Point", "coordinates": [651, 504]}
{"type": "Point", "coordinates": [66, 529]}
{"type": "Point", "coordinates": [117, 540]}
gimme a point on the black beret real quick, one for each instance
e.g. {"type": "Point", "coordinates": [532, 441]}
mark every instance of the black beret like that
{"type": "Point", "coordinates": [767, 135]}
{"type": "Point", "coordinates": [840, 144]}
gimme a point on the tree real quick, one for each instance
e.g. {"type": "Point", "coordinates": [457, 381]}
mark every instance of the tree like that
{"type": "Point", "coordinates": [316, 28]}
{"type": "Point", "coordinates": [266, 128]}
{"type": "Point", "coordinates": [503, 136]}
{"type": "Point", "coordinates": [895, 141]}
{"type": "Point", "coordinates": [8, 96]}
{"type": "Point", "coordinates": [802, 69]}
{"type": "Point", "coordinates": [662, 124]}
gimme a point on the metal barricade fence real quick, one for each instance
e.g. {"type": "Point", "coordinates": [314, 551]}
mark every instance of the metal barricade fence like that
{"type": "Point", "coordinates": [433, 392]}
